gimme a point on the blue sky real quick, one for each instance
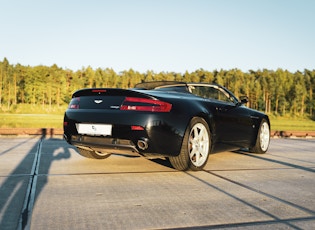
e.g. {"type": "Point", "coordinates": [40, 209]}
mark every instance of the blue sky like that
{"type": "Point", "coordinates": [159, 35]}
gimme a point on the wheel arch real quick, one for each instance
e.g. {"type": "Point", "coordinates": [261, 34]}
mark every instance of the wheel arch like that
{"type": "Point", "coordinates": [208, 117]}
{"type": "Point", "coordinates": [254, 139]}
{"type": "Point", "coordinates": [255, 146]}
{"type": "Point", "coordinates": [196, 146]}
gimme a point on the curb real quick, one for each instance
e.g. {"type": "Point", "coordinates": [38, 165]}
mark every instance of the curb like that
{"type": "Point", "coordinates": [59, 131]}
{"type": "Point", "coordinates": [293, 134]}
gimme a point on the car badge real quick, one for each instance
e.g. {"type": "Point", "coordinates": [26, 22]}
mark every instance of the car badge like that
{"type": "Point", "coordinates": [98, 101]}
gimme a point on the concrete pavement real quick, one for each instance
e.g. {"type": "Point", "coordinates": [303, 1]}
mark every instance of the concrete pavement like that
{"type": "Point", "coordinates": [45, 184]}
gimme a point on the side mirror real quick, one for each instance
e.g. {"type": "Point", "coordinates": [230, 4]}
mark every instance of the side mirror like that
{"type": "Point", "coordinates": [243, 99]}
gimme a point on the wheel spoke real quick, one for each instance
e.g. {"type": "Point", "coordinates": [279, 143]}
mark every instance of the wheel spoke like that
{"type": "Point", "coordinates": [198, 144]}
{"type": "Point", "coordinates": [201, 133]}
{"type": "Point", "coordinates": [196, 133]}
{"type": "Point", "coordinates": [192, 155]}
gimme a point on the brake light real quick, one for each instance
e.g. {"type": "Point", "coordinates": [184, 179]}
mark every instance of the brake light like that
{"type": "Point", "coordinates": [74, 103]}
{"type": "Point", "coordinates": [98, 90]}
{"type": "Point", "coordinates": [144, 104]}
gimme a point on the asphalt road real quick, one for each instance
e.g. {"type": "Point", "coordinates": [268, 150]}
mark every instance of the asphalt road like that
{"type": "Point", "coordinates": [45, 184]}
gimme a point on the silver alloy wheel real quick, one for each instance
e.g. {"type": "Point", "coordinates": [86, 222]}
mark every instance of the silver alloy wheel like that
{"type": "Point", "coordinates": [198, 144]}
{"type": "Point", "coordinates": [264, 136]}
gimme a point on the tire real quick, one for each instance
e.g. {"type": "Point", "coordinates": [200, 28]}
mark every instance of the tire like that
{"type": "Point", "coordinates": [93, 154]}
{"type": "Point", "coordinates": [195, 147]}
{"type": "Point", "coordinates": [263, 138]}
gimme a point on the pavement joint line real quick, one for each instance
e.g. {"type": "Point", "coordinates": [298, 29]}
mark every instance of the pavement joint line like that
{"type": "Point", "coordinates": [106, 173]}
{"type": "Point", "coordinates": [149, 172]}
{"type": "Point", "coordinates": [26, 214]}
{"type": "Point", "coordinates": [15, 175]}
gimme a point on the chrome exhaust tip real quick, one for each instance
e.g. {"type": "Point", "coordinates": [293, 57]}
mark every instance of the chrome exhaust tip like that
{"type": "Point", "coordinates": [142, 144]}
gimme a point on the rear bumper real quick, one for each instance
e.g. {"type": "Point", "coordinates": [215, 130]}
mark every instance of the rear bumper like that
{"type": "Point", "coordinates": [162, 133]}
{"type": "Point", "coordinates": [103, 144]}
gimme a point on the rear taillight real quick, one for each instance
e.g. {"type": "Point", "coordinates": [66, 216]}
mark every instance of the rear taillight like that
{"type": "Point", "coordinates": [137, 128]}
{"type": "Point", "coordinates": [74, 103]}
{"type": "Point", "coordinates": [143, 104]}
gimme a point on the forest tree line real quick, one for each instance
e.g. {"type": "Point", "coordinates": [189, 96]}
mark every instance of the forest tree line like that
{"type": "Point", "coordinates": [279, 92]}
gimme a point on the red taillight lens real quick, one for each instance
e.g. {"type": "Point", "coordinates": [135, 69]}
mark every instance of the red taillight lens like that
{"type": "Point", "coordinates": [74, 103]}
{"type": "Point", "coordinates": [98, 90]}
{"type": "Point", "coordinates": [74, 107]}
{"type": "Point", "coordinates": [137, 128]}
{"type": "Point", "coordinates": [143, 104]}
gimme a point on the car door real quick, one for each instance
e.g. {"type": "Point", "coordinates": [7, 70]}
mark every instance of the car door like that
{"type": "Point", "coordinates": [233, 122]}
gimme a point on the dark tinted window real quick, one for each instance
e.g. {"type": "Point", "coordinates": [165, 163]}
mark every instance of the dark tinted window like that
{"type": "Point", "coordinates": [210, 92]}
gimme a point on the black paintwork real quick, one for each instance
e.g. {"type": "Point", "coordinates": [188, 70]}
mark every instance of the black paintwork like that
{"type": "Point", "coordinates": [232, 124]}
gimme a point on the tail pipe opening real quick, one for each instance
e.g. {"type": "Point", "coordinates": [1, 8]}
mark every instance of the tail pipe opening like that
{"type": "Point", "coordinates": [143, 143]}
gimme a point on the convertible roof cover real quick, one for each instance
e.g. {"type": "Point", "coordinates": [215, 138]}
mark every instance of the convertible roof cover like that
{"type": "Point", "coordinates": [156, 84]}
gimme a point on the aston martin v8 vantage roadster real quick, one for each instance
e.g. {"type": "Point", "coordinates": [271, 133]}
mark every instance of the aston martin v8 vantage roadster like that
{"type": "Point", "coordinates": [182, 122]}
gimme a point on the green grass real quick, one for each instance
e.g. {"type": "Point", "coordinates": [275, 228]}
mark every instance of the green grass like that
{"type": "Point", "coordinates": [31, 120]}
{"type": "Point", "coordinates": [32, 116]}
{"type": "Point", "coordinates": [12, 120]}
{"type": "Point", "coordinates": [292, 124]}
{"type": "Point", "coordinates": [33, 109]}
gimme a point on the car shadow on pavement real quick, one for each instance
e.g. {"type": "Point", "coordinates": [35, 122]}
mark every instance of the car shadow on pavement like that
{"type": "Point", "coordinates": [163, 161]}
{"type": "Point", "coordinates": [19, 189]}
{"type": "Point", "coordinates": [284, 163]}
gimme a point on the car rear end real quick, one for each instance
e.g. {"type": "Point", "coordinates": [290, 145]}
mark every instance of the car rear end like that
{"type": "Point", "coordinates": [122, 121]}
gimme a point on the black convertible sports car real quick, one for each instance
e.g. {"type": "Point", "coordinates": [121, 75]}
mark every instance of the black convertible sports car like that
{"type": "Point", "coordinates": [183, 122]}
